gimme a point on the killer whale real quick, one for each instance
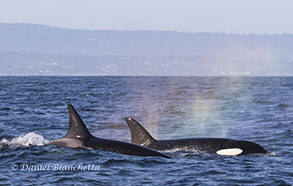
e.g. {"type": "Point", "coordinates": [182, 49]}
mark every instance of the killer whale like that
{"type": "Point", "coordinates": [78, 136]}
{"type": "Point", "coordinates": [220, 146]}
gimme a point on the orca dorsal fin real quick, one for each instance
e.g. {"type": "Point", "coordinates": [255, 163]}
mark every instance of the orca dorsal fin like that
{"type": "Point", "coordinates": [77, 128]}
{"type": "Point", "coordinates": [139, 135]}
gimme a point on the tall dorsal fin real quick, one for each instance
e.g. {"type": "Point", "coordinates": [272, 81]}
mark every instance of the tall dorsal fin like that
{"type": "Point", "coordinates": [77, 128]}
{"type": "Point", "coordinates": [139, 135]}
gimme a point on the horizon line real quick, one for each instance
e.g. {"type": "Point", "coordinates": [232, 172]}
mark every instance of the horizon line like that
{"type": "Point", "coordinates": [148, 30]}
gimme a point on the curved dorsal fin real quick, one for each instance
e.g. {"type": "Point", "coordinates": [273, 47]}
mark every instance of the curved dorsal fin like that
{"type": "Point", "coordinates": [77, 128]}
{"type": "Point", "coordinates": [139, 135]}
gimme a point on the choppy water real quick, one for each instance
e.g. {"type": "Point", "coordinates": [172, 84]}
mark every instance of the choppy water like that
{"type": "Point", "coordinates": [33, 111]}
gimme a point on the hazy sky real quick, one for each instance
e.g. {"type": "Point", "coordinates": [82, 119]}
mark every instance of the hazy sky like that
{"type": "Point", "coordinates": [229, 16]}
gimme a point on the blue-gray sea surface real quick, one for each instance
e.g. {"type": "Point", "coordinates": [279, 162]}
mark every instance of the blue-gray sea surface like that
{"type": "Point", "coordinates": [33, 111]}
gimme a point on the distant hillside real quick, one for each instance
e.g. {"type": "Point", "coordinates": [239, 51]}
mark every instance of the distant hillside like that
{"type": "Point", "coordinates": [60, 64]}
{"type": "Point", "coordinates": [44, 39]}
{"type": "Point", "coordinates": [27, 49]}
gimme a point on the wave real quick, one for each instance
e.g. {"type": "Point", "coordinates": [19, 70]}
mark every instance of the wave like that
{"type": "Point", "coordinates": [29, 139]}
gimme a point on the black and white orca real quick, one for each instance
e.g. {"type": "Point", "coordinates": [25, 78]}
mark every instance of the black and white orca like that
{"type": "Point", "coordinates": [220, 146]}
{"type": "Point", "coordinates": [78, 136]}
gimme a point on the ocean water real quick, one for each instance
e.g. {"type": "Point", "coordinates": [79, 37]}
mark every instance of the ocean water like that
{"type": "Point", "coordinates": [33, 111]}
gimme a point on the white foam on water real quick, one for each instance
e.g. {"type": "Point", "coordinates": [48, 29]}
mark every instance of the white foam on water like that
{"type": "Point", "coordinates": [185, 149]}
{"type": "Point", "coordinates": [29, 139]}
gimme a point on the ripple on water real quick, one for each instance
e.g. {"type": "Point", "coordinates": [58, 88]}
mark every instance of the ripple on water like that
{"type": "Point", "coordinates": [256, 109]}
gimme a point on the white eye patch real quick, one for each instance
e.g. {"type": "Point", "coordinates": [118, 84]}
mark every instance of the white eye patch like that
{"type": "Point", "coordinates": [230, 152]}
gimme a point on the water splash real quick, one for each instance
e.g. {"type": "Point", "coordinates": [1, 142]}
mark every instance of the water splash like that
{"type": "Point", "coordinates": [29, 139]}
{"type": "Point", "coordinates": [204, 115]}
